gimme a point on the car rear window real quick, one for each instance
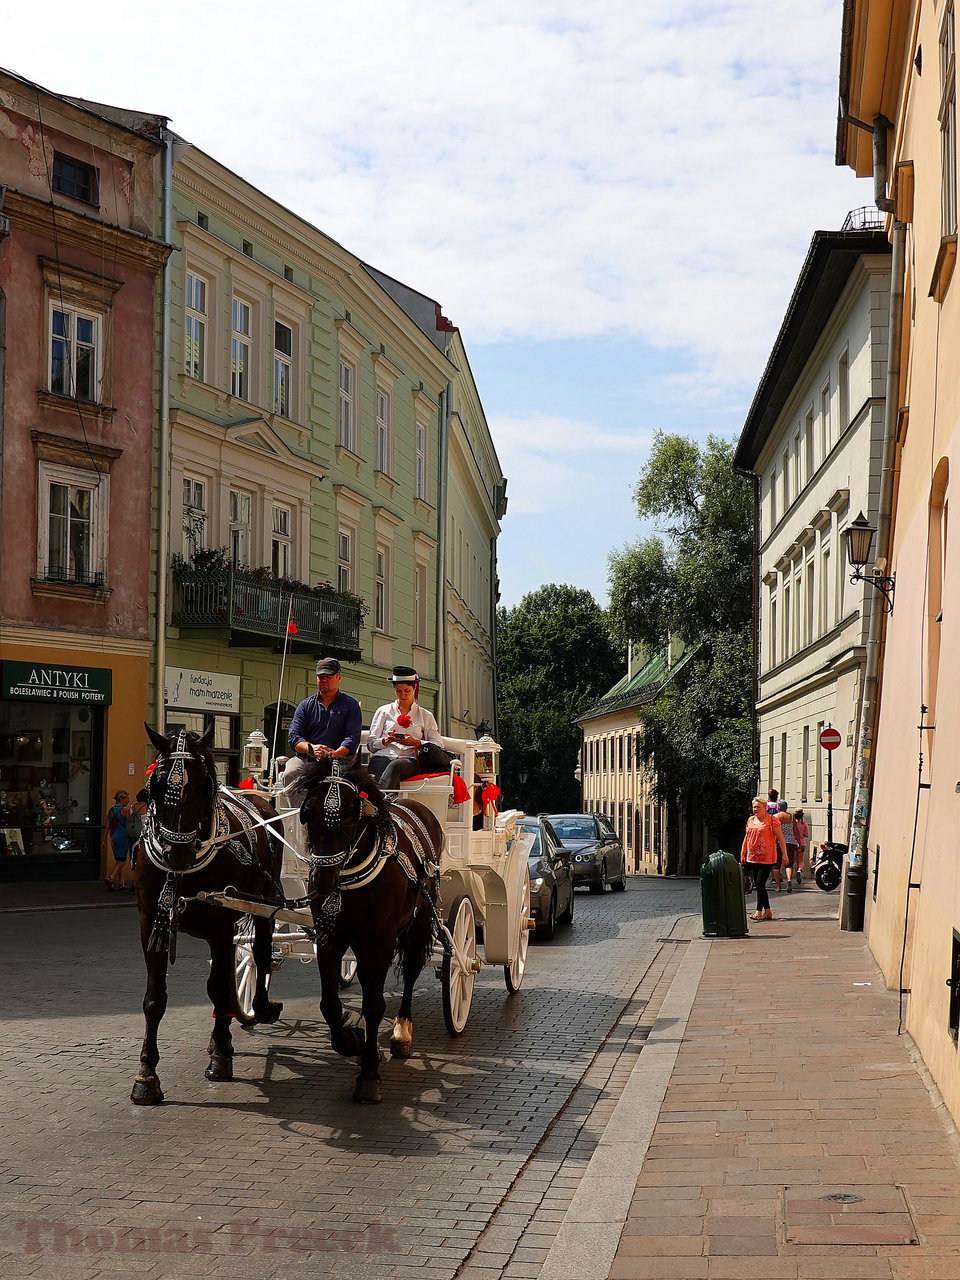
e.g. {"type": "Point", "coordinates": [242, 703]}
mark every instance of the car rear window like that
{"type": "Point", "coordinates": [574, 828]}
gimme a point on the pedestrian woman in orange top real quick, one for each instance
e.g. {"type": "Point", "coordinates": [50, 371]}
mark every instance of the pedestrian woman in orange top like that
{"type": "Point", "coordinates": [761, 844]}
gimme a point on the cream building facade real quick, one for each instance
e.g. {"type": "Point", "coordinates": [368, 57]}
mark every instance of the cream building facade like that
{"type": "Point", "coordinates": [311, 410]}
{"type": "Point", "coordinates": [898, 93]}
{"type": "Point", "coordinates": [813, 440]}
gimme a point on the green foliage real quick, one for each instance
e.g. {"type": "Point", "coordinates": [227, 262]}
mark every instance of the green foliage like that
{"type": "Point", "coordinates": [692, 583]}
{"type": "Point", "coordinates": [555, 656]}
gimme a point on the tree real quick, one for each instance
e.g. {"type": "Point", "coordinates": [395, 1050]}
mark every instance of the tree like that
{"type": "Point", "coordinates": [690, 585]}
{"type": "Point", "coordinates": [555, 655]}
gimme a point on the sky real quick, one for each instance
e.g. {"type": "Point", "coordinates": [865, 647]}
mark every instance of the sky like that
{"type": "Point", "coordinates": [612, 201]}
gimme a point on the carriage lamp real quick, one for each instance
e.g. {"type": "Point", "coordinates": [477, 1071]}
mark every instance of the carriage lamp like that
{"type": "Point", "coordinates": [859, 535]}
{"type": "Point", "coordinates": [256, 753]}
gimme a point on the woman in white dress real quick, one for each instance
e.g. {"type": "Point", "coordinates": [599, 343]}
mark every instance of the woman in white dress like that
{"type": "Point", "coordinates": [398, 730]}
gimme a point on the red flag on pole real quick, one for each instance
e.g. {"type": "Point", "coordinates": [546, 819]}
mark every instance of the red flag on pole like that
{"type": "Point", "coordinates": [292, 628]}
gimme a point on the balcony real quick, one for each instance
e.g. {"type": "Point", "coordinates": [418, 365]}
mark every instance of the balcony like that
{"type": "Point", "coordinates": [255, 612]}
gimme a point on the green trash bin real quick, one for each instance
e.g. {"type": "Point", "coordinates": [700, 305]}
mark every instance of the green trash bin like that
{"type": "Point", "coordinates": [723, 898]}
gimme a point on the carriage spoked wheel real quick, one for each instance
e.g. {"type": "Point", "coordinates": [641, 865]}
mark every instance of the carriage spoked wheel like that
{"type": "Point", "coordinates": [458, 969]}
{"type": "Point", "coordinates": [513, 972]}
{"type": "Point", "coordinates": [245, 970]}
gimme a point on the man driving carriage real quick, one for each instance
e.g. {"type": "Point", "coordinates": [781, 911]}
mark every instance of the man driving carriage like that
{"type": "Point", "coordinates": [327, 725]}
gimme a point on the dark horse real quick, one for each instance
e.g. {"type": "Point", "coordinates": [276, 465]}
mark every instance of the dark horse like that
{"type": "Point", "coordinates": [197, 836]}
{"type": "Point", "coordinates": [373, 887]}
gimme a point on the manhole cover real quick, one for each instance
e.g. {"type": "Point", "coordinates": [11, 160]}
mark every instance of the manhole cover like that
{"type": "Point", "coordinates": [860, 1215]}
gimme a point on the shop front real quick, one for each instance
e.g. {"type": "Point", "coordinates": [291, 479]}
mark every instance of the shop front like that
{"type": "Point", "coordinates": [52, 735]}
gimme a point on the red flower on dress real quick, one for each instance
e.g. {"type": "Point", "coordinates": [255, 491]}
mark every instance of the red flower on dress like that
{"type": "Point", "coordinates": [404, 722]}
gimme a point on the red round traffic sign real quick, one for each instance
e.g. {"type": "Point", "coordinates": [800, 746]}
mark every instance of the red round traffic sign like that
{"type": "Point", "coordinates": [829, 739]}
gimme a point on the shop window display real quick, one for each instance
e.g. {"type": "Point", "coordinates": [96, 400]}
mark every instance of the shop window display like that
{"type": "Point", "coordinates": [48, 779]}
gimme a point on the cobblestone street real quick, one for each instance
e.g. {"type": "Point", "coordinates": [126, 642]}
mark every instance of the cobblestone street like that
{"type": "Point", "coordinates": [279, 1172]}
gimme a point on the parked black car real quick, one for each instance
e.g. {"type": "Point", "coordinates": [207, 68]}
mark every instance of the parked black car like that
{"type": "Point", "coordinates": [597, 857]}
{"type": "Point", "coordinates": [551, 884]}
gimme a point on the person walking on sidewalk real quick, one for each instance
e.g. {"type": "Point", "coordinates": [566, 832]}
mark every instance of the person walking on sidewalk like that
{"type": "Point", "coordinates": [802, 833]}
{"type": "Point", "coordinates": [115, 839]}
{"type": "Point", "coordinates": [762, 844]}
{"type": "Point", "coordinates": [785, 818]}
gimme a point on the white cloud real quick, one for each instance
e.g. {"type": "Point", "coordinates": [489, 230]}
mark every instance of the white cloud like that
{"type": "Point", "coordinates": [543, 168]}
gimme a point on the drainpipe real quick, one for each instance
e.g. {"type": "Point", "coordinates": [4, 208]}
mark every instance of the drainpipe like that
{"type": "Point", "coordinates": [443, 715]}
{"type": "Point", "coordinates": [855, 880]}
{"type": "Point", "coordinates": [163, 463]}
{"type": "Point", "coordinates": [495, 719]}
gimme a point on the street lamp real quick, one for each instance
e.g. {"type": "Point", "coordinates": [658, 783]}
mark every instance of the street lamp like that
{"type": "Point", "coordinates": [859, 535]}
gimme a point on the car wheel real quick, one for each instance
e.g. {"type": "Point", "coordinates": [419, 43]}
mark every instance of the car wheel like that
{"type": "Point", "coordinates": [548, 928]}
{"type": "Point", "coordinates": [619, 885]}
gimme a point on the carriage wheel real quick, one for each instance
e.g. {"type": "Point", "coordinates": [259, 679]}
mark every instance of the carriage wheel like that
{"type": "Point", "coordinates": [513, 973]}
{"type": "Point", "coordinates": [245, 969]}
{"type": "Point", "coordinates": [457, 973]}
{"type": "Point", "coordinates": [348, 969]}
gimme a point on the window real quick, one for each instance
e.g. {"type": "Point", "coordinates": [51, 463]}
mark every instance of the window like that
{"type": "Point", "coordinates": [773, 627]}
{"type": "Point", "coordinates": [246, 247]}
{"type": "Point", "coordinates": [948, 122]}
{"type": "Point", "coordinates": [787, 618]}
{"type": "Point", "coordinates": [194, 521]}
{"type": "Point", "coordinates": [240, 349]}
{"type": "Point", "coordinates": [74, 352]}
{"type": "Point", "coordinates": [810, 611]}
{"type": "Point", "coordinates": [783, 764]}
{"type": "Point", "coordinates": [825, 437]}
{"type": "Point", "coordinates": [826, 594]}
{"type": "Point", "coordinates": [195, 327]}
{"type": "Point", "coordinates": [280, 545]}
{"type": "Point", "coordinates": [785, 478]}
{"type": "Point", "coordinates": [630, 751]}
{"type": "Point", "coordinates": [808, 445]}
{"type": "Point", "coordinates": [346, 435]}
{"type": "Point", "coordinates": [843, 392]}
{"type": "Point", "coordinates": [804, 764]}
{"type": "Point", "coordinates": [282, 369]}
{"type": "Point", "coordinates": [818, 794]}
{"type": "Point", "coordinates": [421, 592]}
{"type": "Point", "coordinates": [421, 478]}
{"type": "Point", "coordinates": [770, 760]}
{"type": "Point", "coordinates": [383, 432]}
{"type": "Point", "coordinates": [71, 178]}
{"type": "Point", "coordinates": [773, 498]}
{"type": "Point", "coordinates": [240, 507]}
{"type": "Point", "coordinates": [799, 476]}
{"type": "Point", "coordinates": [380, 606]}
{"type": "Point", "coordinates": [72, 532]}
{"type": "Point", "coordinates": [344, 560]}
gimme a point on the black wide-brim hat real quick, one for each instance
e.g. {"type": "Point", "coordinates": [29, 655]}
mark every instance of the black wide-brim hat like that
{"type": "Point", "coordinates": [404, 675]}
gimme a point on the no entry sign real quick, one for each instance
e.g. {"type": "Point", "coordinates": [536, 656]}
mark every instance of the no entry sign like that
{"type": "Point", "coordinates": [829, 739]}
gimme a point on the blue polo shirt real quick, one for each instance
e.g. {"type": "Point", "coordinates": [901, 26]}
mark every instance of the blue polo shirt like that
{"type": "Point", "coordinates": [338, 725]}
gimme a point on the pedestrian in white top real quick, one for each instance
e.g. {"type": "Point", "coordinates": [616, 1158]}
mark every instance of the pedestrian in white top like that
{"type": "Point", "coordinates": [398, 730]}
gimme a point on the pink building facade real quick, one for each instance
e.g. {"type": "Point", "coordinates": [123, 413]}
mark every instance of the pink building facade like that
{"type": "Point", "coordinates": [80, 268]}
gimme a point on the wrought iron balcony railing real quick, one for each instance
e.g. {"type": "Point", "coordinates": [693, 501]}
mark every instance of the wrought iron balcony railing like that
{"type": "Point", "coordinates": [246, 604]}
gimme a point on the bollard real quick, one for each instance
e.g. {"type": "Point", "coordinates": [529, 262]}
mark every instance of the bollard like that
{"type": "Point", "coordinates": [722, 897]}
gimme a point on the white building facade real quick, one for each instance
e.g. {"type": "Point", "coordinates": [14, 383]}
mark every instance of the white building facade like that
{"type": "Point", "coordinates": [813, 440]}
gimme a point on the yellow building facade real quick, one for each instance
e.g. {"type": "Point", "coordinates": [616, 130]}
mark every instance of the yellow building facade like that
{"type": "Point", "coordinates": [898, 122]}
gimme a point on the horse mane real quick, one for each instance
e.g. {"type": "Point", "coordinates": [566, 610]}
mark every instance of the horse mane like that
{"type": "Point", "coordinates": [315, 771]}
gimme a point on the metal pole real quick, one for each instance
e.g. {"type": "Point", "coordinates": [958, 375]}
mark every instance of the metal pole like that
{"type": "Point", "coordinates": [830, 797]}
{"type": "Point", "coordinates": [283, 664]}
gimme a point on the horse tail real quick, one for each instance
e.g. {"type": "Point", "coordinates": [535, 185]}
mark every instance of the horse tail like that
{"type": "Point", "coordinates": [415, 940]}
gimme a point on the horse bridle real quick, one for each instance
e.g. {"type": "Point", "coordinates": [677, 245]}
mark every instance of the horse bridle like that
{"type": "Point", "coordinates": [331, 817]}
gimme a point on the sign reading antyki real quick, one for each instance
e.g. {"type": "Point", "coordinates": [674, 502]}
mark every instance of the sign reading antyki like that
{"type": "Point", "coordinates": [49, 682]}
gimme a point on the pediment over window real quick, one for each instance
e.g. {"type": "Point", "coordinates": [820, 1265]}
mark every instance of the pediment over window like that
{"type": "Point", "coordinates": [257, 433]}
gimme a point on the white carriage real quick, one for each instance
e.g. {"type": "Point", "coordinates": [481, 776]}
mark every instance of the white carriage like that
{"type": "Point", "coordinates": [484, 887]}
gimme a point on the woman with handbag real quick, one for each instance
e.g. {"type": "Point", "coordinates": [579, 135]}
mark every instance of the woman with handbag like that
{"type": "Point", "coordinates": [399, 731]}
{"type": "Point", "coordinates": [762, 841]}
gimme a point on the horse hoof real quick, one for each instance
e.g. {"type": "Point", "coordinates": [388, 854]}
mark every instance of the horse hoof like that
{"type": "Point", "coordinates": [220, 1070]}
{"type": "Point", "coordinates": [270, 1012]}
{"type": "Point", "coordinates": [349, 1042]}
{"type": "Point", "coordinates": [400, 1048]}
{"type": "Point", "coordinates": [367, 1091]}
{"type": "Point", "coordinates": [146, 1093]}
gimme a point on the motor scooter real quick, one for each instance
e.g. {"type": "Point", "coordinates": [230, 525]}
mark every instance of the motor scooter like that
{"type": "Point", "coordinates": [828, 868]}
